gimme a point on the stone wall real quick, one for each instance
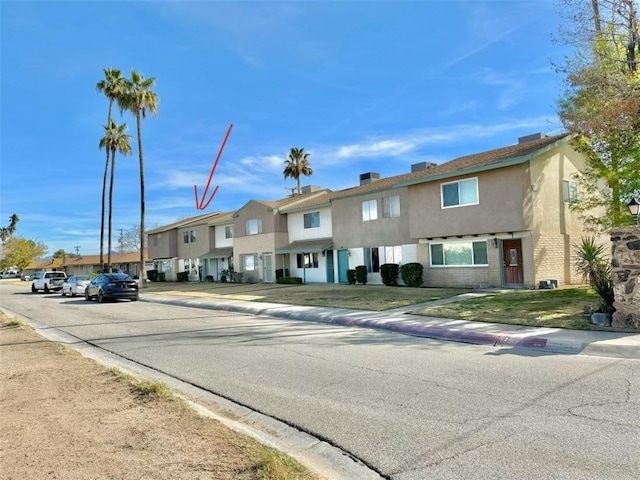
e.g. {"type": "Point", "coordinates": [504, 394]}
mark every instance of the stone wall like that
{"type": "Point", "coordinates": [625, 260]}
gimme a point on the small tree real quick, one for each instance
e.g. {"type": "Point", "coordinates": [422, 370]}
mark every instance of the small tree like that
{"type": "Point", "coordinates": [361, 274]}
{"type": "Point", "coordinates": [596, 271]}
{"type": "Point", "coordinates": [21, 252]}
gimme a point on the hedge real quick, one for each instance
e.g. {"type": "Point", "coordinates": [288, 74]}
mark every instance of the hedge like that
{"type": "Point", "coordinates": [361, 274]}
{"type": "Point", "coordinates": [294, 280]}
{"type": "Point", "coordinates": [389, 274]}
{"type": "Point", "coordinates": [412, 274]}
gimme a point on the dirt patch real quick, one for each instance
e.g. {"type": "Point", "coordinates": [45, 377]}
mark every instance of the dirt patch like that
{"type": "Point", "coordinates": [66, 417]}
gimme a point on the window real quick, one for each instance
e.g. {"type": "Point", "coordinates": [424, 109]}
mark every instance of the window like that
{"type": "Point", "coordinates": [157, 240]}
{"type": "Point", "coordinates": [307, 260]}
{"type": "Point", "coordinates": [569, 191]}
{"type": "Point", "coordinates": [464, 192]}
{"type": "Point", "coordinates": [459, 254]}
{"type": "Point", "coordinates": [393, 254]}
{"type": "Point", "coordinates": [372, 259]}
{"type": "Point", "coordinates": [312, 220]}
{"type": "Point", "coordinates": [228, 231]}
{"type": "Point", "coordinates": [249, 263]}
{"type": "Point", "coordinates": [369, 210]}
{"type": "Point", "coordinates": [391, 206]}
{"type": "Point", "coordinates": [189, 236]}
{"type": "Point", "coordinates": [253, 226]}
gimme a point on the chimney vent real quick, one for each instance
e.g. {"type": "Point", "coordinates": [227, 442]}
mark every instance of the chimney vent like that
{"type": "Point", "coordinates": [417, 167]}
{"type": "Point", "coordinates": [309, 189]}
{"type": "Point", "coordinates": [369, 177]}
{"type": "Point", "coordinates": [531, 138]}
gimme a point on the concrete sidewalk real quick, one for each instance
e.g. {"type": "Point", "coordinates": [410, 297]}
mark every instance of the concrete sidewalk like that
{"type": "Point", "coordinates": [543, 340]}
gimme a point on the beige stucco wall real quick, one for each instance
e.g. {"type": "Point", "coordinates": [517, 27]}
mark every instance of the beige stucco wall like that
{"type": "Point", "coordinates": [349, 230]}
{"type": "Point", "coordinates": [197, 248]}
{"type": "Point", "coordinates": [168, 248]}
{"type": "Point", "coordinates": [256, 245]}
{"type": "Point", "coordinates": [499, 208]}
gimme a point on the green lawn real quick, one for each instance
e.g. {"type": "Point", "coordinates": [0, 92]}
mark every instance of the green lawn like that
{"type": "Point", "coordinates": [563, 308]}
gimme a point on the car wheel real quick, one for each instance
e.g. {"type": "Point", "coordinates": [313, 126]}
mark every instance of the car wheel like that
{"type": "Point", "coordinates": [86, 295]}
{"type": "Point", "coordinates": [135, 299]}
{"type": "Point", "coordinates": [46, 288]}
{"type": "Point", "coordinates": [100, 296]}
{"type": "Point", "coordinates": [72, 293]}
{"type": "Point", "coordinates": [64, 294]}
{"type": "Point", "coordinates": [33, 288]}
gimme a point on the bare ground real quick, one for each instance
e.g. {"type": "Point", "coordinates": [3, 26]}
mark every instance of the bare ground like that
{"type": "Point", "coordinates": [63, 416]}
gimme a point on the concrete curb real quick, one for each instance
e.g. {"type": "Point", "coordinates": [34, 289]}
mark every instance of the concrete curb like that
{"type": "Point", "coordinates": [400, 323]}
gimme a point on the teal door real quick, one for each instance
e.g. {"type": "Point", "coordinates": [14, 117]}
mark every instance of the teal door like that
{"type": "Point", "coordinates": [331, 278]}
{"type": "Point", "coordinates": [343, 265]}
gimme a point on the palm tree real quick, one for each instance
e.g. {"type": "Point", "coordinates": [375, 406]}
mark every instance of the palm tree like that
{"type": "Point", "coordinates": [297, 164]}
{"type": "Point", "coordinates": [139, 99]}
{"type": "Point", "coordinates": [114, 140]}
{"type": "Point", "coordinates": [6, 232]}
{"type": "Point", "coordinates": [113, 86]}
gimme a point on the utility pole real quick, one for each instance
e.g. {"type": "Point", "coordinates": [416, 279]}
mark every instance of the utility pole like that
{"type": "Point", "coordinates": [77, 251]}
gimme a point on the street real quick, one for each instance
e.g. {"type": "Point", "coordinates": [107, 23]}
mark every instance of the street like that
{"type": "Point", "coordinates": [410, 408]}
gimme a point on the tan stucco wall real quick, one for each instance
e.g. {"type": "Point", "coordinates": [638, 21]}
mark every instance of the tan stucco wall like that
{"type": "Point", "coordinates": [199, 247]}
{"type": "Point", "coordinates": [500, 197]}
{"type": "Point", "coordinates": [256, 245]}
{"type": "Point", "coordinates": [168, 249]}
{"type": "Point", "coordinates": [349, 230]}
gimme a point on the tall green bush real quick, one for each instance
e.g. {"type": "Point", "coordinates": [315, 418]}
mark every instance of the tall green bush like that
{"type": "Point", "coordinates": [389, 274]}
{"type": "Point", "coordinates": [411, 274]}
{"type": "Point", "coordinates": [361, 274]}
{"type": "Point", "coordinates": [182, 276]}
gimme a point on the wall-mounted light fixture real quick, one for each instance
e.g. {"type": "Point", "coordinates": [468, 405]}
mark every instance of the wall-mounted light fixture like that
{"type": "Point", "coordinates": [634, 209]}
{"type": "Point", "coordinates": [495, 243]}
{"type": "Point", "coordinates": [348, 253]}
{"type": "Point", "coordinates": [260, 256]}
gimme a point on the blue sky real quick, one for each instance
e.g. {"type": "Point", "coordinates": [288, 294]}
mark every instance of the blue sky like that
{"type": "Point", "coordinates": [362, 86]}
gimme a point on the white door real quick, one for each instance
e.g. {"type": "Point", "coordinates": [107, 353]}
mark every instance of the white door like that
{"type": "Point", "coordinates": [267, 265]}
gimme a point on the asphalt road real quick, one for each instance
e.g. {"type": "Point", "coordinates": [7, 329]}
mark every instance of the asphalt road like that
{"type": "Point", "coordinates": [411, 408]}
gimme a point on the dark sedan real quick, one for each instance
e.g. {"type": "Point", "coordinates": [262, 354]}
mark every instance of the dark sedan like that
{"type": "Point", "coordinates": [112, 286]}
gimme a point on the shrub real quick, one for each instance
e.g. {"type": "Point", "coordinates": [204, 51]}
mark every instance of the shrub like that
{"type": "Point", "coordinates": [183, 276]}
{"type": "Point", "coordinates": [351, 277]}
{"type": "Point", "coordinates": [152, 275]}
{"type": "Point", "coordinates": [291, 280]}
{"type": "Point", "coordinates": [411, 274]}
{"type": "Point", "coordinates": [389, 274]}
{"type": "Point", "coordinates": [162, 277]}
{"type": "Point", "coordinates": [361, 274]}
{"type": "Point", "coordinates": [281, 272]}
{"type": "Point", "coordinates": [596, 271]}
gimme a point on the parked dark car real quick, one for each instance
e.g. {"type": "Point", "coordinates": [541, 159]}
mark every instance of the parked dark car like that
{"type": "Point", "coordinates": [112, 286]}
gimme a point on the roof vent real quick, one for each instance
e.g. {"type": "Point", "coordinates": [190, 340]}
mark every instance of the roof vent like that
{"type": "Point", "coordinates": [369, 177]}
{"type": "Point", "coordinates": [309, 189]}
{"type": "Point", "coordinates": [532, 137]}
{"type": "Point", "coordinates": [417, 167]}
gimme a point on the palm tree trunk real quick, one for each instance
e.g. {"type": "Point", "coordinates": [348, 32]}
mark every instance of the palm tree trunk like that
{"type": "Point", "coordinates": [298, 179]}
{"type": "Point", "coordinates": [143, 272]}
{"type": "Point", "coordinates": [113, 168]}
{"type": "Point", "coordinates": [104, 190]}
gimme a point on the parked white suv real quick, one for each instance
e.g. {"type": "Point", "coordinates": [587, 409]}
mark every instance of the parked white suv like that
{"type": "Point", "coordinates": [9, 274]}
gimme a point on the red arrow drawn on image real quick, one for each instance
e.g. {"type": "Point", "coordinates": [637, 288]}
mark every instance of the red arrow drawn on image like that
{"type": "Point", "coordinates": [201, 204]}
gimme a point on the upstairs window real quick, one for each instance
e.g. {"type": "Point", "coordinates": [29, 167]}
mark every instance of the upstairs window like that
{"type": "Point", "coordinates": [463, 192]}
{"type": "Point", "coordinates": [228, 231]}
{"type": "Point", "coordinates": [459, 254]}
{"type": "Point", "coordinates": [253, 226]}
{"type": "Point", "coordinates": [569, 191]}
{"type": "Point", "coordinates": [369, 210]}
{"type": "Point", "coordinates": [189, 236]}
{"type": "Point", "coordinates": [157, 240]}
{"type": "Point", "coordinates": [192, 236]}
{"type": "Point", "coordinates": [391, 206]}
{"type": "Point", "coordinates": [312, 220]}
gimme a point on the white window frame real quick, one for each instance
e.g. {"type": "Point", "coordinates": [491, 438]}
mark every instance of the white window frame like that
{"type": "Point", "coordinates": [391, 206]}
{"type": "Point", "coordinates": [228, 231]}
{"type": "Point", "coordinates": [458, 182]}
{"type": "Point", "coordinates": [444, 245]}
{"type": "Point", "coordinates": [369, 210]}
{"type": "Point", "coordinates": [569, 191]}
{"type": "Point", "coordinates": [251, 222]}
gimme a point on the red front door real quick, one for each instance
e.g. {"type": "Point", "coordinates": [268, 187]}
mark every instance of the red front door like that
{"type": "Point", "coordinates": [512, 262]}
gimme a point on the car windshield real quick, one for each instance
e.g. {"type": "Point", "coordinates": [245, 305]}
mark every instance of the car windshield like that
{"type": "Point", "coordinates": [83, 278]}
{"type": "Point", "coordinates": [57, 275]}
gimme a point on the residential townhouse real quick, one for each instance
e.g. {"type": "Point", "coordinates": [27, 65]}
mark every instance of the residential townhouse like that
{"type": "Point", "coordinates": [496, 218]}
{"type": "Point", "coordinates": [88, 264]}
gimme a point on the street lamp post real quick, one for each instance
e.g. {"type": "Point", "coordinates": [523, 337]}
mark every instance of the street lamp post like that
{"type": "Point", "coordinates": [634, 208]}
